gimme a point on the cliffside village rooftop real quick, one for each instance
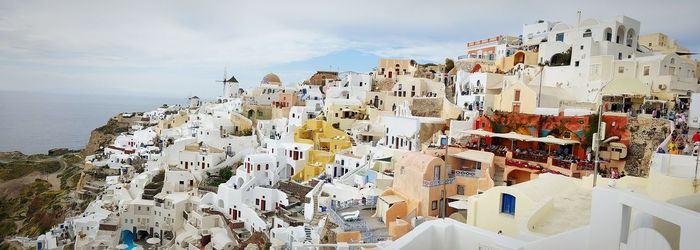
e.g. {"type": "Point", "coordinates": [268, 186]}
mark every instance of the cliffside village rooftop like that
{"type": "Point", "coordinates": [494, 150]}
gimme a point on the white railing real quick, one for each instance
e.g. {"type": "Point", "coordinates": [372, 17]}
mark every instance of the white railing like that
{"type": "Point", "coordinates": [435, 183]}
{"type": "Point", "coordinates": [371, 202]}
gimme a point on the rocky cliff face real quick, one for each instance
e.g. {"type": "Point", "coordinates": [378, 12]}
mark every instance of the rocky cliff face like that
{"type": "Point", "coordinates": [646, 135]}
{"type": "Point", "coordinates": [104, 135]}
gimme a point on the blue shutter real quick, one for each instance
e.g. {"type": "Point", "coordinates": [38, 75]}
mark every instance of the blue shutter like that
{"type": "Point", "coordinates": [507, 204]}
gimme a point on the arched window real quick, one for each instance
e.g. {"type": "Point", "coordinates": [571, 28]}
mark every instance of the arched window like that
{"type": "Point", "coordinates": [587, 33]}
{"type": "Point", "coordinates": [607, 34]}
{"type": "Point", "coordinates": [620, 34]}
{"type": "Point", "coordinates": [631, 36]}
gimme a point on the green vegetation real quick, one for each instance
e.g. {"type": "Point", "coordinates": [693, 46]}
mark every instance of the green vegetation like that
{"type": "Point", "coordinates": [71, 159]}
{"type": "Point", "coordinates": [37, 207]}
{"type": "Point", "coordinates": [225, 173]}
{"type": "Point", "coordinates": [70, 177]}
{"type": "Point", "coordinates": [19, 168]}
{"type": "Point", "coordinates": [449, 65]}
{"type": "Point", "coordinates": [245, 132]}
{"type": "Point", "coordinates": [561, 59]}
{"type": "Point", "coordinates": [112, 127]}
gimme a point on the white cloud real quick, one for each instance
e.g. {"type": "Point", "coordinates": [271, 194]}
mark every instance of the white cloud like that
{"type": "Point", "coordinates": [172, 43]}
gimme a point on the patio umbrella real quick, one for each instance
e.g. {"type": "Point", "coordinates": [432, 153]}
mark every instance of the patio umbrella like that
{"type": "Point", "coordinates": [512, 136]}
{"type": "Point", "coordinates": [479, 132]}
{"type": "Point", "coordinates": [460, 204]}
{"type": "Point", "coordinates": [153, 241]}
{"type": "Point", "coordinates": [553, 140]}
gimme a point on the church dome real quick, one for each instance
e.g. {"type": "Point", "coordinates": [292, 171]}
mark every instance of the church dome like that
{"type": "Point", "coordinates": [271, 79]}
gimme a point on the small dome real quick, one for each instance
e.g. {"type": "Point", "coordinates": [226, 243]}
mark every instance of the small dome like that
{"type": "Point", "coordinates": [271, 79]}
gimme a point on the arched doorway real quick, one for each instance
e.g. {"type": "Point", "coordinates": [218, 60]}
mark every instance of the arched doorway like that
{"type": "Point", "coordinates": [620, 34]}
{"type": "Point", "coordinates": [519, 57]}
{"type": "Point", "coordinates": [516, 176]}
{"type": "Point", "coordinates": [250, 114]}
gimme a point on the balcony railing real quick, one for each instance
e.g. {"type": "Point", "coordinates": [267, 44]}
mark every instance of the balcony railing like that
{"type": "Point", "coordinates": [435, 183]}
{"type": "Point", "coordinates": [468, 173]}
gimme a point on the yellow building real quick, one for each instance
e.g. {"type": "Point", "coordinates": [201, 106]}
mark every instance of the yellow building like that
{"type": "Point", "coordinates": [522, 98]}
{"type": "Point", "coordinates": [172, 121]}
{"type": "Point", "coordinates": [507, 63]}
{"type": "Point", "coordinates": [392, 68]}
{"type": "Point", "coordinates": [326, 141]}
{"type": "Point", "coordinates": [342, 113]}
{"type": "Point", "coordinates": [241, 125]}
{"type": "Point", "coordinates": [660, 42]}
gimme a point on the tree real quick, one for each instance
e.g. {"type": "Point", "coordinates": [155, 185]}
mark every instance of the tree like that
{"type": "Point", "coordinates": [225, 173]}
{"type": "Point", "coordinates": [449, 65]}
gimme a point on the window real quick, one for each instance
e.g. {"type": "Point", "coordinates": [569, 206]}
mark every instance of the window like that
{"type": "Point", "coordinates": [517, 96]}
{"type": "Point", "coordinates": [433, 205]}
{"type": "Point", "coordinates": [619, 56]}
{"type": "Point", "coordinates": [507, 204]}
{"type": "Point", "coordinates": [576, 63]}
{"type": "Point", "coordinates": [646, 70]}
{"type": "Point", "coordinates": [581, 47]}
{"type": "Point", "coordinates": [587, 33]}
{"type": "Point", "coordinates": [673, 60]}
{"type": "Point", "coordinates": [621, 69]}
{"type": "Point", "coordinates": [460, 189]}
{"type": "Point", "coordinates": [560, 37]}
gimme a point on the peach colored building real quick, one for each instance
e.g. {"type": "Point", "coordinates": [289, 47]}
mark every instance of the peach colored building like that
{"type": "Point", "coordinates": [392, 68]}
{"type": "Point", "coordinates": [424, 186]}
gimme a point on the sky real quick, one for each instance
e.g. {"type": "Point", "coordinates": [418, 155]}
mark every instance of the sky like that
{"type": "Point", "coordinates": [181, 48]}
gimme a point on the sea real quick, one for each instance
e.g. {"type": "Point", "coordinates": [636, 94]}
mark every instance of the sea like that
{"type": "Point", "coordinates": [34, 122]}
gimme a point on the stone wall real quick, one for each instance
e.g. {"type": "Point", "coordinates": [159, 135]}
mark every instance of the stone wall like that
{"type": "Point", "coordinates": [426, 107]}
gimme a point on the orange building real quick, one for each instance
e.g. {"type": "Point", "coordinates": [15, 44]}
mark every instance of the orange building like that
{"type": "Point", "coordinates": [319, 78]}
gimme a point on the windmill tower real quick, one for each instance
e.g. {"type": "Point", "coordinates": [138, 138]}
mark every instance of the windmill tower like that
{"type": "Point", "coordinates": [230, 86]}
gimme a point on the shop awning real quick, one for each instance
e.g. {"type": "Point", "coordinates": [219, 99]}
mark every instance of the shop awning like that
{"type": "Point", "coordinates": [626, 86]}
{"type": "Point", "coordinates": [479, 132]}
{"type": "Point", "coordinates": [553, 140]}
{"type": "Point", "coordinates": [475, 155]}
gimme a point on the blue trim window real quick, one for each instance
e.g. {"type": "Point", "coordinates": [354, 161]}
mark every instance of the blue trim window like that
{"type": "Point", "coordinates": [507, 204]}
{"type": "Point", "coordinates": [560, 37]}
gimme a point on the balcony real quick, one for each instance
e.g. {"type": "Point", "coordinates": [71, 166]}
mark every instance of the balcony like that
{"type": "Point", "coordinates": [468, 173]}
{"type": "Point", "coordinates": [435, 183]}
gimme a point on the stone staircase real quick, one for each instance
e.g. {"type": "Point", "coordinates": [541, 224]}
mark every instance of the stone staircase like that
{"type": "Point", "coordinates": [498, 178]}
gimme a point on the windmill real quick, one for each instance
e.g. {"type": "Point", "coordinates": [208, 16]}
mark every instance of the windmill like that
{"type": "Point", "coordinates": [223, 84]}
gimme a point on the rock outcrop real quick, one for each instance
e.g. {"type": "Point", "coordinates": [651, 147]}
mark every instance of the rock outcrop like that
{"type": "Point", "coordinates": [104, 135]}
{"type": "Point", "coordinates": [647, 134]}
